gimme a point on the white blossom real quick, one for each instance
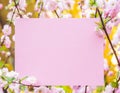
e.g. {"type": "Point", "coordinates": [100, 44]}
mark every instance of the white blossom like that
{"type": "Point", "coordinates": [12, 74]}
{"type": "Point", "coordinates": [31, 80]}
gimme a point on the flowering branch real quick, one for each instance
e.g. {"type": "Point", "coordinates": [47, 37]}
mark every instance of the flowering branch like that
{"type": "Point", "coordinates": [56, 14]}
{"type": "Point", "coordinates": [105, 30]}
{"type": "Point", "coordinates": [86, 89]}
{"type": "Point", "coordinates": [9, 26]}
{"type": "Point", "coordinates": [5, 36]}
{"type": "Point", "coordinates": [40, 9]}
{"type": "Point", "coordinates": [26, 84]}
{"type": "Point", "coordinates": [17, 9]}
{"type": "Point", "coordinates": [4, 90]}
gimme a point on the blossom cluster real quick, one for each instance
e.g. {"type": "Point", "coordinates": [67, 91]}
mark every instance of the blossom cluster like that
{"type": "Point", "coordinates": [10, 10]}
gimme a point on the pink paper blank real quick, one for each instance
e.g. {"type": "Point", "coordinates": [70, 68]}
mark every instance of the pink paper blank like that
{"type": "Point", "coordinates": [59, 51]}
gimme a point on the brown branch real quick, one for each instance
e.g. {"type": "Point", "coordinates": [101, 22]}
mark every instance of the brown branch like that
{"type": "Point", "coordinates": [5, 36]}
{"type": "Point", "coordinates": [26, 84]}
{"type": "Point", "coordinates": [95, 13]}
{"type": "Point", "coordinates": [9, 25]}
{"type": "Point", "coordinates": [1, 44]}
{"type": "Point", "coordinates": [114, 90]}
{"type": "Point", "coordinates": [105, 30]}
{"type": "Point", "coordinates": [56, 14]}
{"type": "Point", "coordinates": [41, 7]}
{"type": "Point", "coordinates": [16, 6]}
{"type": "Point", "coordinates": [12, 17]}
{"type": "Point", "coordinates": [4, 90]}
{"type": "Point", "coordinates": [86, 89]}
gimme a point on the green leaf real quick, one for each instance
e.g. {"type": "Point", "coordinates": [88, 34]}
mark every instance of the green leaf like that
{"type": "Point", "coordinates": [8, 79]}
{"type": "Point", "coordinates": [3, 48]}
{"type": "Point", "coordinates": [1, 64]}
{"type": "Point", "coordinates": [6, 86]}
{"type": "Point", "coordinates": [11, 90]}
{"type": "Point", "coordinates": [67, 89]}
{"type": "Point", "coordinates": [23, 79]}
{"type": "Point", "coordinates": [10, 5]}
{"type": "Point", "coordinates": [118, 75]}
{"type": "Point", "coordinates": [100, 25]}
{"type": "Point", "coordinates": [92, 3]}
{"type": "Point", "coordinates": [100, 89]}
{"type": "Point", "coordinates": [22, 87]}
{"type": "Point", "coordinates": [106, 20]}
{"type": "Point", "coordinates": [92, 15]}
{"type": "Point", "coordinates": [114, 84]}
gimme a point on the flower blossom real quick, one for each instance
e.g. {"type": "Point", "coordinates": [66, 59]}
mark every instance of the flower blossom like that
{"type": "Point", "coordinates": [6, 30]}
{"type": "Point", "coordinates": [22, 4]}
{"type": "Point", "coordinates": [113, 10]}
{"type": "Point", "coordinates": [6, 40]}
{"type": "Point", "coordinates": [108, 89]}
{"type": "Point", "coordinates": [1, 6]}
{"type": "Point", "coordinates": [30, 80]}
{"type": "Point", "coordinates": [12, 74]}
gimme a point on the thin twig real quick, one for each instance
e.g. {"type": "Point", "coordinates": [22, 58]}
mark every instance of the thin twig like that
{"type": "Point", "coordinates": [56, 14]}
{"type": "Point", "coordinates": [41, 7]}
{"type": "Point", "coordinates": [4, 90]}
{"type": "Point", "coordinates": [86, 89]}
{"type": "Point", "coordinates": [17, 9]}
{"type": "Point", "coordinates": [95, 13]}
{"type": "Point", "coordinates": [26, 84]}
{"type": "Point", "coordinates": [2, 42]}
{"type": "Point", "coordinates": [12, 17]}
{"type": "Point", "coordinates": [9, 25]}
{"type": "Point", "coordinates": [114, 90]}
{"type": "Point", "coordinates": [105, 30]}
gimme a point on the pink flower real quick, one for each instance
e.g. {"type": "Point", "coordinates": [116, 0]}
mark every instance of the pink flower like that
{"type": "Point", "coordinates": [42, 89]}
{"type": "Point", "coordinates": [6, 30]}
{"type": "Point", "coordinates": [44, 15]}
{"type": "Point", "coordinates": [65, 4]}
{"type": "Point", "coordinates": [106, 67]}
{"type": "Point", "coordinates": [51, 5]}
{"type": "Point", "coordinates": [110, 73]}
{"type": "Point", "coordinates": [99, 33]}
{"type": "Point", "coordinates": [118, 90]}
{"type": "Point", "coordinates": [108, 89]}
{"type": "Point", "coordinates": [82, 90]}
{"type": "Point", "coordinates": [76, 89]}
{"type": "Point", "coordinates": [30, 80]}
{"type": "Point", "coordinates": [7, 42]}
{"type": "Point", "coordinates": [2, 83]}
{"type": "Point", "coordinates": [37, 6]}
{"type": "Point", "coordinates": [109, 26]}
{"type": "Point", "coordinates": [12, 74]}
{"type": "Point", "coordinates": [1, 6]}
{"type": "Point", "coordinates": [56, 90]}
{"type": "Point", "coordinates": [15, 87]}
{"type": "Point", "coordinates": [22, 4]}
{"type": "Point", "coordinates": [1, 91]}
{"type": "Point", "coordinates": [113, 11]}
